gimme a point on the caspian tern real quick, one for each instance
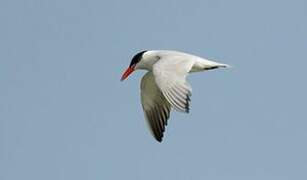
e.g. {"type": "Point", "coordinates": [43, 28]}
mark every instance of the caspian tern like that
{"type": "Point", "coordinates": [164, 86]}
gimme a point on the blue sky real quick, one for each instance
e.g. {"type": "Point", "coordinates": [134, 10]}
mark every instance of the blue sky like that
{"type": "Point", "coordinates": [64, 114]}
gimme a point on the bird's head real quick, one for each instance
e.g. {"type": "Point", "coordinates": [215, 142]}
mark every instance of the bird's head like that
{"type": "Point", "coordinates": [133, 65]}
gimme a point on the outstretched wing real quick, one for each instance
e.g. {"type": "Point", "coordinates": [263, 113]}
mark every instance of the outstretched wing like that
{"type": "Point", "coordinates": [170, 75]}
{"type": "Point", "coordinates": [156, 107]}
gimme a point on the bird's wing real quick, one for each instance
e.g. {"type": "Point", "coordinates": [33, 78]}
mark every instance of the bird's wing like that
{"type": "Point", "coordinates": [156, 107]}
{"type": "Point", "coordinates": [170, 75]}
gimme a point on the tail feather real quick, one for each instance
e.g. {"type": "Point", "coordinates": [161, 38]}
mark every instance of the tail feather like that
{"type": "Point", "coordinates": [215, 66]}
{"type": "Point", "coordinates": [224, 65]}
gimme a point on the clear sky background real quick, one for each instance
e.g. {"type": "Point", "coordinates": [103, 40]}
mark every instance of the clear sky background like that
{"type": "Point", "coordinates": [64, 114]}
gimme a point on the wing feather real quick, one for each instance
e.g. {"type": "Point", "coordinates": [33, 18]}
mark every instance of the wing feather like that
{"type": "Point", "coordinates": [156, 107]}
{"type": "Point", "coordinates": [170, 76]}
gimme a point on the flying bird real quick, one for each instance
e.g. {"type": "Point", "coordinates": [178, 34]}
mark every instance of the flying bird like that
{"type": "Point", "coordinates": [164, 86]}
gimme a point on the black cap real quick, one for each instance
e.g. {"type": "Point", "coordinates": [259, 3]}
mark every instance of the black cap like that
{"type": "Point", "coordinates": [137, 58]}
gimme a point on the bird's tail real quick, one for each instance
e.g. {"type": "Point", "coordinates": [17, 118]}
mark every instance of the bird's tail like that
{"type": "Point", "coordinates": [216, 65]}
{"type": "Point", "coordinates": [224, 65]}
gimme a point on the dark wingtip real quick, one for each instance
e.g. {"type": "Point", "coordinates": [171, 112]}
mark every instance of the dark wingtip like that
{"type": "Point", "coordinates": [187, 106]}
{"type": "Point", "coordinates": [159, 140]}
